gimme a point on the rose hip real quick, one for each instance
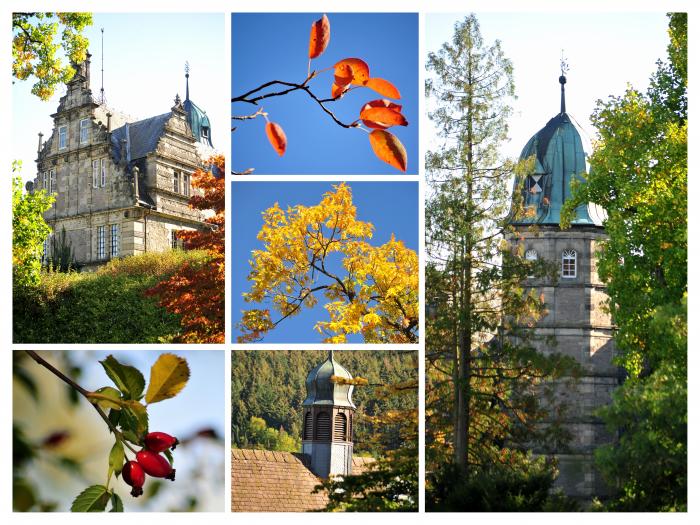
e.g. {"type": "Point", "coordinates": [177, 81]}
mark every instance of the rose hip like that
{"type": "Point", "coordinates": [155, 465]}
{"type": "Point", "coordinates": [160, 441]}
{"type": "Point", "coordinates": [133, 474]}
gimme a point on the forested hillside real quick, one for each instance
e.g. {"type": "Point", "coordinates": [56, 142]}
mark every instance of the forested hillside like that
{"type": "Point", "coordinates": [270, 385]}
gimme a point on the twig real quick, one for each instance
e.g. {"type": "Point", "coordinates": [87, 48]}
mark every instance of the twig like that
{"type": "Point", "coordinates": [85, 393]}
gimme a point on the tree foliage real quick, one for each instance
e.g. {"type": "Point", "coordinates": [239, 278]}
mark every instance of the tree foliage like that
{"type": "Point", "coordinates": [372, 291]}
{"type": "Point", "coordinates": [29, 230]}
{"type": "Point", "coordinates": [639, 175]}
{"type": "Point", "coordinates": [349, 74]}
{"type": "Point", "coordinates": [196, 291]}
{"type": "Point", "coordinates": [487, 388]}
{"type": "Point", "coordinates": [270, 385]}
{"type": "Point", "coordinates": [35, 51]}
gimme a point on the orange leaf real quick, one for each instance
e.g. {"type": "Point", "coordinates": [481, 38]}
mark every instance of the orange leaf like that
{"type": "Point", "coordinates": [383, 87]}
{"type": "Point", "coordinates": [388, 148]}
{"type": "Point", "coordinates": [382, 117]}
{"type": "Point", "coordinates": [337, 91]}
{"type": "Point", "coordinates": [320, 36]}
{"type": "Point", "coordinates": [359, 68]}
{"type": "Point", "coordinates": [343, 75]}
{"type": "Point", "coordinates": [276, 136]}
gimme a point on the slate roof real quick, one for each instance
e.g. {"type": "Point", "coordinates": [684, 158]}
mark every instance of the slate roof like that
{"type": "Point", "coordinates": [141, 137]}
{"type": "Point", "coordinates": [266, 481]}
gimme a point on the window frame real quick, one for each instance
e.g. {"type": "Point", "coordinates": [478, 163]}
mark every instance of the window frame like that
{"type": "Point", "coordinates": [176, 181]}
{"type": "Point", "coordinates": [103, 173]}
{"type": "Point", "coordinates": [52, 182]}
{"type": "Point", "coordinates": [186, 184]}
{"type": "Point", "coordinates": [101, 252]}
{"type": "Point", "coordinates": [84, 130]}
{"type": "Point", "coordinates": [62, 137]}
{"type": "Point", "coordinates": [569, 259]}
{"type": "Point", "coordinates": [529, 257]}
{"type": "Point", "coordinates": [95, 173]}
{"type": "Point", "coordinates": [114, 240]}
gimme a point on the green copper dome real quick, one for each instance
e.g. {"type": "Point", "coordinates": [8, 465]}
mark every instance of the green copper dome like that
{"type": "Point", "coordinates": [320, 390]}
{"type": "Point", "coordinates": [559, 158]}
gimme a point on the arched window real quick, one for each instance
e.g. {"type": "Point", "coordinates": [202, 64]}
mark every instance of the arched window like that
{"type": "Point", "coordinates": [323, 427]}
{"type": "Point", "coordinates": [308, 426]}
{"type": "Point", "coordinates": [568, 264]}
{"type": "Point", "coordinates": [340, 427]}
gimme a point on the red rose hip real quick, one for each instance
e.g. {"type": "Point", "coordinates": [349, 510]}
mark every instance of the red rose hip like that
{"type": "Point", "coordinates": [160, 441]}
{"type": "Point", "coordinates": [133, 474]}
{"type": "Point", "coordinates": [155, 465]}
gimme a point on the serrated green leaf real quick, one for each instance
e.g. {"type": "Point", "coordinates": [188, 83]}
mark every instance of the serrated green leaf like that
{"type": "Point", "coordinates": [169, 375]}
{"type": "Point", "coordinates": [127, 378]}
{"type": "Point", "coordinates": [116, 458]}
{"type": "Point", "coordinates": [131, 436]}
{"type": "Point", "coordinates": [92, 499]}
{"type": "Point", "coordinates": [117, 505]}
{"type": "Point", "coordinates": [112, 393]}
{"type": "Point", "coordinates": [135, 419]}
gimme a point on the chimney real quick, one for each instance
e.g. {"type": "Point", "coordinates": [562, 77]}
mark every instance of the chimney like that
{"type": "Point", "coordinates": [41, 136]}
{"type": "Point", "coordinates": [109, 122]}
{"type": "Point", "coordinates": [135, 172]}
{"type": "Point", "coordinates": [328, 420]}
{"type": "Point", "coordinates": [122, 153]}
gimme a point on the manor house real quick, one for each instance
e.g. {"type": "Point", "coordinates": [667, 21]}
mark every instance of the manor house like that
{"type": "Point", "coordinates": [121, 186]}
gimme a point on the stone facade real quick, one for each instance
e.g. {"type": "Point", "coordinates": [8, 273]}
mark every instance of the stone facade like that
{"type": "Point", "coordinates": [580, 327]}
{"type": "Point", "coordinates": [121, 186]}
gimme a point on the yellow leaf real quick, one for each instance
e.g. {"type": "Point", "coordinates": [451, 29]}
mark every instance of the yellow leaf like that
{"type": "Point", "coordinates": [169, 374]}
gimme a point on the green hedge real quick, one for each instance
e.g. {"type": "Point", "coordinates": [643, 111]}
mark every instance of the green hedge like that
{"type": "Point", "coordinates": [106, 306]}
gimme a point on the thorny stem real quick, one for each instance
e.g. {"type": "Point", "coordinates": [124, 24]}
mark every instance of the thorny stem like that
{"type": "Point", "coordinates": [85, 393]}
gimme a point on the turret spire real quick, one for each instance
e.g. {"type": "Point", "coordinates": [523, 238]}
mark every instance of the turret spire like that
{"type": "Point", "coordinates": [187, 80]}
{"type": "Point", "coordinates": [562, 80]}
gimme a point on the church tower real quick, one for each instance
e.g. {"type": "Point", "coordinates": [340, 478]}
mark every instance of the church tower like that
{"type": "Point", "coordinates": [575, 315]}
{"type": "Point", "coordinates": [328, 419]}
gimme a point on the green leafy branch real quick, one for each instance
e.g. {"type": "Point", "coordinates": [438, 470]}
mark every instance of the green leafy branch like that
{"type": "Point", "coordinates": [125, 414]}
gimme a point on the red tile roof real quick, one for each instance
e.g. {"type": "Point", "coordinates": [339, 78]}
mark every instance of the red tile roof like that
{"type": "Point", "coordinates": [266, 481]}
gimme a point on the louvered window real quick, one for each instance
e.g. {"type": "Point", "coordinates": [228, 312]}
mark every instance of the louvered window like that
{"type": "Point", "coordinates": [323, 426]}
{"type": "Point", "coordinates": [340, 427]}
{"type": "Point", "coordinates": [308, 426]}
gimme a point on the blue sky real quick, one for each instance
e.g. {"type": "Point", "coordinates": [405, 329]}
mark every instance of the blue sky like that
{"type": "Point", "coordinates": [392, 207]}
{"type": "Point", "coordinates": [269, 47]}
{"type": "Point", "coordinates": [144, 60]}
{"type": "Point", "coordinates": [605, 52]}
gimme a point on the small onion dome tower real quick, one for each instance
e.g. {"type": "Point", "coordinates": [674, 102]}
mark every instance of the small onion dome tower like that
{"type": "Point", "coordinates": [328, 420]}
{"type": "Point", "coordinates": [196, 116]}
{"type": "Point", "coordinates": [559, 158]}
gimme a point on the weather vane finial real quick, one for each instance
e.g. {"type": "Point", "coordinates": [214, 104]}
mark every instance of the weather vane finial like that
{"type": "Point", "coordinates": [187, 80]}
{"type": "Point", "coordinates": [562, 80]}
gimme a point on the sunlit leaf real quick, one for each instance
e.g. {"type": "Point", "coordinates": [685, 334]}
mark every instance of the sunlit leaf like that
{"type": "Point", "coordinates": [320, 36]}
{"type": "Point", "coordinates": [135, 419]}
{"type": "Point", "coordinates": [169, 375]}
{"type": "Point", "coordinates": [112, 393]}
{"type": "Point", "coordinates": [383, 87]}
{"type": "Point", "coordinates": [343, 75]}
{"type": "Point", "coordinates": [382, 117]}
{"type": "Point", "coordinates": [388, 148]}
{"type": "Point", "coordinates": [337, 91]}
{"type": "Point", "coordinates": [360, 70]}
{"type": "Point", "coordinates": [276, 136]}
{"type": "Point", "coordinates": [116, 458]}
{"type": "Point", "coordinates": [127, 378]}
{"type": "Point", "coordinates": [92, 499]}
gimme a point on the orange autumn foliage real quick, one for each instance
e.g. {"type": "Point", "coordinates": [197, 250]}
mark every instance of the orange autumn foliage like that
{"type": "Point", "coordinates": [277, 137]}
{"type": "Point", "coordinates": [196, 291]}
{"type": "Point", "coordinates": [320, 36]}
{"type": "Point", "coordinates": [388, 148]}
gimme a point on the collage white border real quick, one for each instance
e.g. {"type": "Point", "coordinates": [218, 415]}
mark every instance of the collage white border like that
{"type": "Point", "coordinates": [221, 130]}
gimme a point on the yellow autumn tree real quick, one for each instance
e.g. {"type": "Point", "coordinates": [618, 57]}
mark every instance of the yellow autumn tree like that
{"type": "Point", "coordinates": [324, 250]}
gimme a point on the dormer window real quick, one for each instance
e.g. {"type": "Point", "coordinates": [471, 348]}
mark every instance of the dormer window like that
{"type": "Point", "coordinates": [205, 132]}
{"type": "Point", "coordinates": [568, 264]}
{"type": "Point", "coordinates": [84, 130]}
{"type": "Point", "coordinates": [62, 137]}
